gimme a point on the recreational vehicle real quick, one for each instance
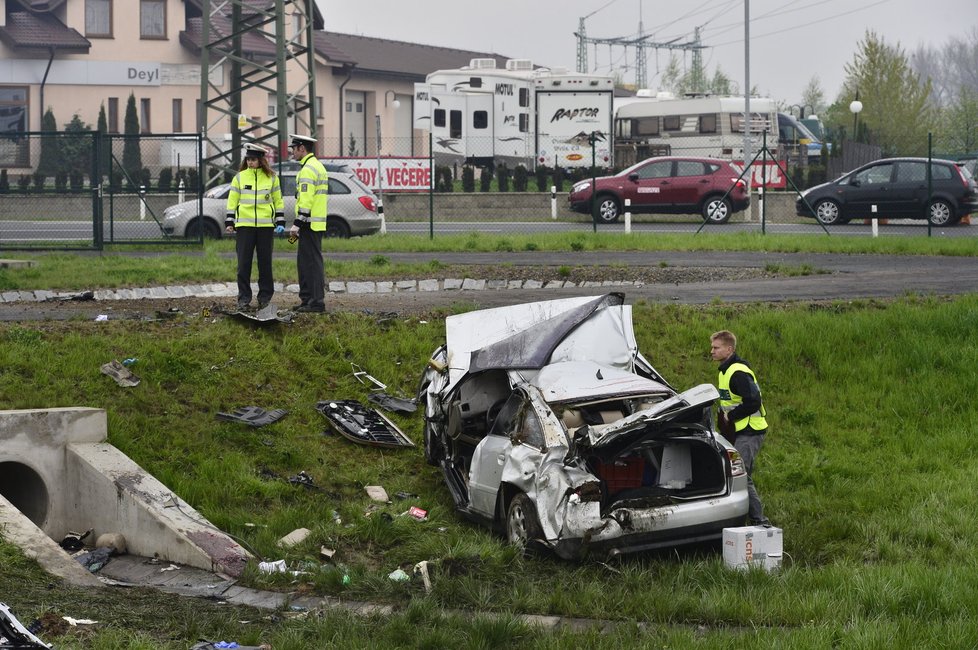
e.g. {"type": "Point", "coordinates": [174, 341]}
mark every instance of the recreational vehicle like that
{"type": "Point", "coordinates": [480, 114]}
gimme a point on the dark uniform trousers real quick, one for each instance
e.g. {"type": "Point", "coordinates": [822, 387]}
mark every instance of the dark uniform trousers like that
{"type": "Point", "coordinates": [248, 240]}
{"type": "Point", "coordinates": [309, 265]}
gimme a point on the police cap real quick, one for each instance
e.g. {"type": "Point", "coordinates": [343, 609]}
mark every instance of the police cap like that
{"type": "Point", "coordinates": [305, 140]}
{"type": "Point", "coordinates": [252, 150]}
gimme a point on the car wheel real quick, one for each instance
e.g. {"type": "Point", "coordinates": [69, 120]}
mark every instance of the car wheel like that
{"type": "Point", "coordinates": [522, 523]}
{"type": "Point", "coordinates": [337, 228]}
{"type": "Point", "coordinates": [717, 209]}
{"type": "Point", "coordinates": [608, 209]}
{"type": "Point", "coordinates": [828, 213]}
{"type": "Point", "coordinates": [433, 451]}
{"type": "Point", "coordinates": [940, 213]}
{"type": "Point", "coordinates": [198, 224]}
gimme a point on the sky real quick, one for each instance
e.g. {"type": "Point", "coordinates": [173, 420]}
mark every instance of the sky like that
{"type": "Point", "coordinates": [791, 41]}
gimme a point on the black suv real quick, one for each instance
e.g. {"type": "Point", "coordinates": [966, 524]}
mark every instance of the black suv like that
{"type": "Point", "coordinates": [894, 188]}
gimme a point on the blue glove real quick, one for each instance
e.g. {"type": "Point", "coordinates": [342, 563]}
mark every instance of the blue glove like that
{"type": "Point", "coordinates": [279, 230]}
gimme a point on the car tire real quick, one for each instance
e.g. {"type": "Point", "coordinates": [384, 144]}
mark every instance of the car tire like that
{"type": "Point", "coordinates": [608, 209]}
{"type": "Point", "coordinates": [717, 209]}
{"type": "Point", "coordinates": [828, 212]}
{"type": "Point", "coordinates": [210, 229]}
{"type": "Point", "coordinates": [433, 451]}
{"type": "Point", "coordinates": [941, 213]}
{"type": "Point", "coordinates": [337, 228]}
{"type": "Point", "coordinates": [522, 523]}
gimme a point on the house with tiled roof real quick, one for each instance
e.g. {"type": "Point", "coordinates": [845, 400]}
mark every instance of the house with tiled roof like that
{"type": "Point", "coordinates": [76, 56]}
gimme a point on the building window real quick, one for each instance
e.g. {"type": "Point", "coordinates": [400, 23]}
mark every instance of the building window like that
{"type": "Point", "coordinates": [319, 108]}
{"type": "Point", "coordinates": [98, 18]}
{"type": "Point", "coordinates": [349, 107]}
{"type": "Point", "coordinates": [198, 115]}
{"type": "Point", "coordinates": [152, 18]}
{"type": "Point", "coordinates": [359, 107]}
{"type": "Point", "coordinates": [177, 115]}
{"type": "Point", "coordinates": [113, 116]}
{"type": "Point", "coordinates": [14, 151]}
{"type": "Point", "coordinates": [272, 104]}
{"type": "Point", "coordinates": [144, 115]}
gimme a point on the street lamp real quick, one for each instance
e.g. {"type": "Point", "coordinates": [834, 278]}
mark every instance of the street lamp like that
{"type": "Point", "coordinates": [854, 108]}
{"type": "Point", "coordinates": [397, 102]}
{"type": "Point", "coordinates": [801, 110]}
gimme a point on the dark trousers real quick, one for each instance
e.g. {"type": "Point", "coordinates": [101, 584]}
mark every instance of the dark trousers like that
{"type": "Point", "coordinates": [248, 241]}
{"type": "Point", "coordinates": [309, 265]}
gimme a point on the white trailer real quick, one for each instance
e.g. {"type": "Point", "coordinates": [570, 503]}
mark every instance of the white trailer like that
{"type": "Point", "coordinates": [482, 115]}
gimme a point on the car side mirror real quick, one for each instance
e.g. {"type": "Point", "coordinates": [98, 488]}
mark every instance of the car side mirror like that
{"type": "Point", "coordinates": [855, 182]}
{"type": "Point", "coordinates": [633, 177]}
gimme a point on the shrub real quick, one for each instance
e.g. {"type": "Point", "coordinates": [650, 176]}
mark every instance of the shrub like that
{"type": "Point", "coordinates": [443, 179]}
{"type": "Point", "coordinates": [542, 173]}
{"type": "Point", "coordinates": [115, 181]}
{"type": "Point", "coordinates": [145, 178]}
{"type": "Point", "coordinates": [468, 179]}
{"type": "Point", "coordinates": [192, 179]}
{"type": "Point", "coordinates": [39, 181]}
{"type": "Point", "coordinates": [166, 179]}
{"type": "Point", "coordinates": [559, 179]}
{"type": "Point", "coordinates": [485, 179]}
{"type": "Point", "coordinates": [520, 179]}
{"type": "Point", "coordinates": [502, 178]}
{"type": "Point", "coordinates": [24, 182]}
{"type": "Point", "coordinates": [61, 181]}
{"type": "Point", "coordinates": [4, 181]}
{"type": "Point", "coordinates": [76, 179]}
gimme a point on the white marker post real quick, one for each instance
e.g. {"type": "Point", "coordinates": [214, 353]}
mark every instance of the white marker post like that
{"type": "Point", "coordinates": [142, 203]}
{"type": "Point", "coordinates": [553, 202]}
{"type": "Point", "coordinates": [876, 228]}
{"type": "Point", "coordinates": [628, 216]}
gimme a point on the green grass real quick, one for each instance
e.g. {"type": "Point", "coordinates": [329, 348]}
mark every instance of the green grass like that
{"type": "Point", "coordinates": [868, 469]}
{"type": "Point", "coordinates": [67, 271]}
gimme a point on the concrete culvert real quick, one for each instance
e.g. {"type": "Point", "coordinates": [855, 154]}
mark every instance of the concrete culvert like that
{"type": "Point", "coordinates": [25, 490]}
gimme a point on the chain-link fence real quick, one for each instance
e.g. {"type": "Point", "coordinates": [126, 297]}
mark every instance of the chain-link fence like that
{"type": "Point", "coordinates": [82, 190]}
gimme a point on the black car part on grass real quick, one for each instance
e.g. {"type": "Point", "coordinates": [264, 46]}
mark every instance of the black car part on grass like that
{"type": "Point", "coordinates": [14, 635]}
{"type": "Point", "coordinates": [391, 403]}
{"type": "Point", "coordinates": [253, 416]}
{"type": "Point", "coordinates": [357, 423]}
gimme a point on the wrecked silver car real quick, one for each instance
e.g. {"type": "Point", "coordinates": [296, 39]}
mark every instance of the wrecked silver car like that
{"type": "Point", "coordinates": [553, 429]}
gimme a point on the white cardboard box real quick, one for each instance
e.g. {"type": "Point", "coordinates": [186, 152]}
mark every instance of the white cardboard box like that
{"type": "Point", "coordinates": [753, 546]}
{"type": "Point", "coordinates": [676, 470]}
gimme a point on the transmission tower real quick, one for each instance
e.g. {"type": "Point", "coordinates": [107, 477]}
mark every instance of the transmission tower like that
{"type": "Point", "coordinates": [274, 50]}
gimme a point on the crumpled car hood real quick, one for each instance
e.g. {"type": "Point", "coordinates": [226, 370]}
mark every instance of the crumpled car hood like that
{"type": "Point", "coordinates": [674, 408]}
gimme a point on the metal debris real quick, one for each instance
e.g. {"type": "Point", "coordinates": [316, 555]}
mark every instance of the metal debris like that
{"type": "Point", "coordinates": [354, 421]}
{"type": "Point", "coordinates": [254, 416]}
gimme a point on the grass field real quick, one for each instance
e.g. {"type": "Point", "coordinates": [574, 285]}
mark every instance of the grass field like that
{"type": "Point", "coordinates": [867, 469]}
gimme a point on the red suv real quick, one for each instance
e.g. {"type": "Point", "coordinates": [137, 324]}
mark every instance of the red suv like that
{"type": "Point", "coordinates": [667, 185]}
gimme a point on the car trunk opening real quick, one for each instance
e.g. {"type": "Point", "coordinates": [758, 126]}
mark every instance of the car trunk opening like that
{"type": "Point", "coordinates": [660, 471]}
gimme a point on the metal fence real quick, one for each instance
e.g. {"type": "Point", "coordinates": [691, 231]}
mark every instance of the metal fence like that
{"type": "Point", "coordinates": [83, 190]}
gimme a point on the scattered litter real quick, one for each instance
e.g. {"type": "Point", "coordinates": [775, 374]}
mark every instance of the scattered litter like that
{"type": "Point", "coordinates": [169, 314]}
{"type": "Point", "coordinates": [327, 553]}
{"type": "Point", "coordinates": [357, 423]}
{"type": "Point", "coordinates": [223, 645]}
{"type": "Point", "coordinates": [377, 493]}
{"type": "Point", "coordinates": [101, 318]}
{"type": "Point", "coordinates": [115, 541]}
{"type": "Point", "coordinates": [421, 569]}
{"type": "Point", "coordinates": [391, 403]}
{"type": "Point", "coordinates": [171, 502]}
{"type": "Point", "coordinates": [119, 373]}
{"type": "Point", "coordinates": [303, 479]}
{"type": "Point", "coordinates": [295, 537]}
{"type": "Point", "coordinates": [362, 375]}
{"type": "Point", "coordinates": [278, 566]}
{"type": "Point", "coordinates": [73, 541]}
{"type": "Point", "coordinates": [417, 513]}
{"type": "Point", "coordinates": [95, 560]}
{"type": "Point", "coordinates": [405, 495]}
{"type": "Point", "coordinates": [254, 416]}
{"type": "Point", "coordinates": [172, 567]}
{"type": "Point", "coordinates": [399, 576]}
{"type": "Point", "coordinates": [130, 361]}
{"type": "Point", "coordinates": [79, 297]}
{"type": "Point", "coordinates": [12, 632]}
{"type": "Point", "coordinates": [264, 316]}
{"type": "Point", "coordinates": [79, 621]}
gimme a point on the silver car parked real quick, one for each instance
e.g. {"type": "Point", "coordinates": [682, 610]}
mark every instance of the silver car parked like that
{"type": "Point", "coordinates": [552, 428]}
{"type": "Point", "coordinates": [352, 209]}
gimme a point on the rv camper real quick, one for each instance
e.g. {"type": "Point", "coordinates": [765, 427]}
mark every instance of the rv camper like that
{"type": "Point", "coordinates": [482, 115]}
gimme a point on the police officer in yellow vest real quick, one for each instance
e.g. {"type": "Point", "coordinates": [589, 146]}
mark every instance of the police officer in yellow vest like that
{"type": "Point", "coordinates": [741, 413]}
{"type": "Point", "coordinates": [311, 195]}
{"type": "Point", "coordinates": [254, 211]}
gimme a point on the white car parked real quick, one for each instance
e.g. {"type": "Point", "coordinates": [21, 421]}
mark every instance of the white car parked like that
{"type": "Point", "coordinates": [352, 209]}
{"type": "Point", "coordinates": [552, 428]}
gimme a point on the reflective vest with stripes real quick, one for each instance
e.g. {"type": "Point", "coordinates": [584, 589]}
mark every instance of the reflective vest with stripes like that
{"type": "Point", "coordinates": [255, 200]}
{"type": "Point", "coordinates": [730, 401]}
{"type": "Point", "coordinates": [311, 193]}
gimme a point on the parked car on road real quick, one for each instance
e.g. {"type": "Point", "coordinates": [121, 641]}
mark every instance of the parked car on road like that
{"type": "Point", "coordinates": [894, 188]}
{"type": "Point", "coordinates": [352, 209]}
{"type": "Point", "coordinates": [669, 185]}
{"type": "Point", "coordinates": [552, 428]}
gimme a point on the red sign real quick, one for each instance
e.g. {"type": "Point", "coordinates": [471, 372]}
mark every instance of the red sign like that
{"type": "Point", "coordinates": [761, 173]}
{"type": "Point", "coordinates": [393, 175]}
